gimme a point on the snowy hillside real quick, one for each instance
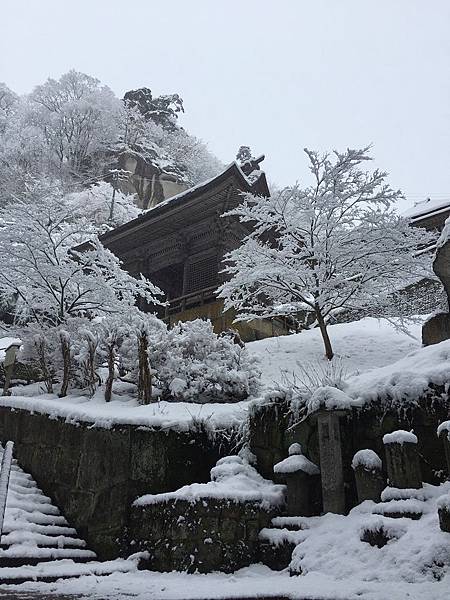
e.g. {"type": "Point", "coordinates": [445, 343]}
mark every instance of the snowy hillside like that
{"type": "Point", "coordinates": [360, 346]}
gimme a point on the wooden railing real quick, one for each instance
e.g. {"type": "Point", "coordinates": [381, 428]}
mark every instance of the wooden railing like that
{"type": "Point", "coordinates": [191, 300]}
{"type": "Point", "coordinates": [5, 471]}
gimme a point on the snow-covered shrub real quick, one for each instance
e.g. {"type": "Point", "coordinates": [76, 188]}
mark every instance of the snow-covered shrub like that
{"type": "Point", "coordinates": [201, 366]}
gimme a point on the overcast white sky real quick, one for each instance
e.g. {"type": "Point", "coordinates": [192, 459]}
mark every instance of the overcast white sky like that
{"type": "Point", "coordinates": [277, 75]}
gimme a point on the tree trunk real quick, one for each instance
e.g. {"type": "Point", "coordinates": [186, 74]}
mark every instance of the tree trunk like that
{"type": "Point", "coordinates": [111, 371]}
{"type": "Point", "coordinates": [90, 368]}
{"type": "Point", "coordinates": [325, 337]}
{"type": "Point", "coordinates": [46, 372]}
{"type": "Point", "coordinates": [145, 378]}
{"type": "Point", "coordinates": [65, 350]}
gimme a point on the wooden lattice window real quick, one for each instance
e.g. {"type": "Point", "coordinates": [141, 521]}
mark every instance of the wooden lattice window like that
{"type": "Point", "coordinates": [201, 274]}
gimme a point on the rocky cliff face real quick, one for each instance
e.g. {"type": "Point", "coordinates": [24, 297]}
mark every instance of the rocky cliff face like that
{"type": "Point", "coordinates": [150, 181]}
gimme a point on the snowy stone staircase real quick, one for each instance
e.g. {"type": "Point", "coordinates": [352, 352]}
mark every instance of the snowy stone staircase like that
{"type": "Point", "coordinates": [278, 541]}
{"type": "Point", "coordinates": [37, 543]}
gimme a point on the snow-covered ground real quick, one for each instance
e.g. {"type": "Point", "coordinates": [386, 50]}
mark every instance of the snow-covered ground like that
{"type": "Point", "coordinates": [360, 347]}
{"type": "Point", "coordinates": [256, 581]}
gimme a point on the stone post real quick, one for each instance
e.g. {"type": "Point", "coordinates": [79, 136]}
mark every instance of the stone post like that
{"type": "Point", "coordinates": [299, 473]}
{"type": "Point", "coordinates": [370, 482]}
{"type": "Point", "coordinates": [444, 513]}
{"type": "Point", "coordinates": [444, 434]}
{"type": "Point", "coordinates": [331, 467]}
{"type": "Point", "coordinates": [402, 460]}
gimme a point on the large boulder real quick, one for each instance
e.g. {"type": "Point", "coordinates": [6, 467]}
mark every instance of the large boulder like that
{"type": "Point", "coordinates": [437, 328]}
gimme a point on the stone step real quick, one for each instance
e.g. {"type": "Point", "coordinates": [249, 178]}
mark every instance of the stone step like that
{"type": "Point", "coordinates": [19, 556]}
{"type": "Point", "coordinates": [32, 507]}
{"type": "Point", "coordinates": [50, 530]}
{"type": "Point", "coordinates": [290, 523]}
{"type": "Point", "coordinates": [38, 518]}
{"type": "Point", "coordinates": [49, 572]}
{"type": "Point", "coordinates": [277, 544]}
{"type": "Point", "coordinates": [40, 540]}
{"type": "Point", "coordinates": [407, 508]}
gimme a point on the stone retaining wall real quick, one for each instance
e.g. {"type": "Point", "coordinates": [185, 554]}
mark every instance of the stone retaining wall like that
{"type": "Point", "coordinates": [94, 474]}
{"type": "Point", "coordinates": [205, 535]}
{"type": "Point", "coordinates": [272, 432]}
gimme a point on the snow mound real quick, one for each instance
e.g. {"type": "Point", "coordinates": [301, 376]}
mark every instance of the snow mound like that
{"type": "Point", "coordinates": [330, 398]}
{"type": "Point", "coordinates": [231, 479]}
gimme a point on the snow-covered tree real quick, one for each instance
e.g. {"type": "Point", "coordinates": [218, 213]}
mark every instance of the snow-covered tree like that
{"type": "Point", "coordinates": [49, 277]}
{"type": "Point", "coordinates": [162, 110]}
{"type": "Point", "coordinates": [77, 116]}
{"type": "Point", "coordinates": [337, 244]}
{"type": "Point", "coordinates": [244, 154]}
{"type": "Point", "coordinates": [95, 202]}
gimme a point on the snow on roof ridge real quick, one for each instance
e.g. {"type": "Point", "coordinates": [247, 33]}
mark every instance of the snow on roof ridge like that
{"type": "Point", "coordinates": [424, 207]}
{"type": "Point", "coordinates": [199, 186]}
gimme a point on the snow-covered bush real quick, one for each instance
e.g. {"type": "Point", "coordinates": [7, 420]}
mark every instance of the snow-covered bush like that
{"type": "Point", "coordinates": [201, 366]}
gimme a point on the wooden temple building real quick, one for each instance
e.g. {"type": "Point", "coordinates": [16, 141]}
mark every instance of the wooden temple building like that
{"type": "Point", "coordinates": [180, 243]}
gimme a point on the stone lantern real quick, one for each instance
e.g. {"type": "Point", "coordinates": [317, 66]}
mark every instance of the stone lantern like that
{"type": "Point", "coordinates": [299, 472]}
{"type": "Point", "coordinates": [8, 364]}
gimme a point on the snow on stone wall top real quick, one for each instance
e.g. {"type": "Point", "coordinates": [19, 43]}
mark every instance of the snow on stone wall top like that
{"type": "Point", "coordinates": [367, 459]}
{"type": "Point", "coordinates": [232, 479]}
{"type": "Point", "coordinates": [295, 463]}
{"type": "Point", "coordinates": [125, 410]}
{"type": "Point", "coordinates": [400, 437]}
